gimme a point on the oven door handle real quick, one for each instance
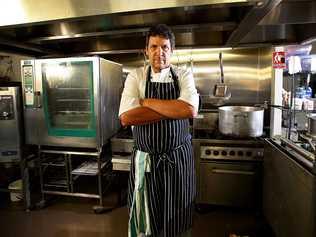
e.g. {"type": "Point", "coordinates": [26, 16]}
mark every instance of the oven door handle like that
{"type": "Point", "coordinates": [225, 171]}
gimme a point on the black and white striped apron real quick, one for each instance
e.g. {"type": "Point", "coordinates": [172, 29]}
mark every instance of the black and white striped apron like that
{"type": "Point", "coordinates": [171, 180]}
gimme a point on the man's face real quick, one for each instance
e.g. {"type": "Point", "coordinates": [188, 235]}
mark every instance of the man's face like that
{"type": "Point", "coordinates": [159, 52]}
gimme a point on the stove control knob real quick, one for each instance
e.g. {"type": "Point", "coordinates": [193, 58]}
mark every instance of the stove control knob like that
{"type": "Point", "coordinates": [208, 152]}
{"type": "Point", "coordinates": [216, 153]}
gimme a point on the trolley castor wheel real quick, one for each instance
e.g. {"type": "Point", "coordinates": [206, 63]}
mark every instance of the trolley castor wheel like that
{"type": "Point", "coordinates": [101, 209]}
{"type": "Point", "coordinates": [41, 204]}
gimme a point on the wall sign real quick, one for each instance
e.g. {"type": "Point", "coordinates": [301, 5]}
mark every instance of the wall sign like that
{"type": "Point", "coordinates": [278, 60]}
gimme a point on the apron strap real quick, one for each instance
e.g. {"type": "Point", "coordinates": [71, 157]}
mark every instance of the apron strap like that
{"type": "Point", "coordinates": [173, 75]}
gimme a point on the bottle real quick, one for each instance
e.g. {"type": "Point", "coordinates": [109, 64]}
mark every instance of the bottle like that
{"type": "Point", "coordinates": [308, 92]}
{"type": "Point", "coordinates": [308, 103]}
{"type": "Point", "coordinates": [299, 92]}
{"type": "Point", "coordinates": [298, 100]}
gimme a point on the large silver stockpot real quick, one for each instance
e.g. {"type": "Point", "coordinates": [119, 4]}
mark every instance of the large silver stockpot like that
{"type": "Point", "coordinates": [311, 125]}
{"type": "Point", "coordinates": [241, 121]}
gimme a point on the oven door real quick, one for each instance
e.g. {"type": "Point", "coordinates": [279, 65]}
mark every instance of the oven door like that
{"type": "Point", "coordinates": [230, 183]}
{"type": "Point", "coordinates": [67, 109]}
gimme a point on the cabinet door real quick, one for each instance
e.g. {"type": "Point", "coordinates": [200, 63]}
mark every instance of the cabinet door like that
{"type": "Point", "coordinates": [233, 184]}
{"type": "Point", "coordinates": [68, 98]}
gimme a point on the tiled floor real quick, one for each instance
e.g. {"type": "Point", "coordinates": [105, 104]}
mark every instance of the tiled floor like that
{"type": "Point", "coordinates": [73, 217]}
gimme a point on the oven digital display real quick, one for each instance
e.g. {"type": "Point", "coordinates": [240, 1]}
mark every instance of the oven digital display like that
{"type": "Point", "coordinates": [6, 107]}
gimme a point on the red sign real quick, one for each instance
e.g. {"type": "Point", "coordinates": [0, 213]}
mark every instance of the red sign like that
{"type": "Point", "coordinates": [278, 60]}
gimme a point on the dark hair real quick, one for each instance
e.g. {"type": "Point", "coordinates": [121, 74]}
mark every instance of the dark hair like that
{"type": "Point", "coordinates": [163, 31]}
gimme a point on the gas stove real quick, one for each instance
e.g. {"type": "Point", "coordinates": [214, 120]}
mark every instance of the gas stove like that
{"type": "Point", "coordinates": [215, 146]}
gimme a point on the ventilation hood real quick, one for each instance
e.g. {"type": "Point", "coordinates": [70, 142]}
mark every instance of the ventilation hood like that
{"type": "Point", "coordinates": [78, 27]}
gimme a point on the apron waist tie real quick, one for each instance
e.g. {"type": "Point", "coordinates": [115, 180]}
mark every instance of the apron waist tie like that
{"type": "Point", "coordinates": [165, 158]}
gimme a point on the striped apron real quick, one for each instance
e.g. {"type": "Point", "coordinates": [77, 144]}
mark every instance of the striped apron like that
{"type": "Point", "coordinates": [170, 184]}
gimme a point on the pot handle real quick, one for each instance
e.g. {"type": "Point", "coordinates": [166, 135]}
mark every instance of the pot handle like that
{"type": "Point", "coordinates": [267, 105]}
{"type": "Point", "coordinates": [310, 115]}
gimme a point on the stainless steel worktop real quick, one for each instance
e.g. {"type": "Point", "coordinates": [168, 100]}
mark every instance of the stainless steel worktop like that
{"type": "Point", "coordinates": [289, 186]}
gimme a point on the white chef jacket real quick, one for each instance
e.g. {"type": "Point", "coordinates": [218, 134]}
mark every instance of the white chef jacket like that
{"type": "Point", "coordinates": [135, 86]}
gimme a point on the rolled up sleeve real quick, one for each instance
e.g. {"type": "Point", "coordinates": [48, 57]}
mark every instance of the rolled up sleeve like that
{"type": "Point", "coordinates": [130, 95]}
{"type": "Point", "coordinates": [188, 91]}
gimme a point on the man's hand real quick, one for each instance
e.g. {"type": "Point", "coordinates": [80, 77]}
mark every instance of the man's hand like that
{"type": "Point", "coordinates": [140, 116]}
{"type": "Point", "coordinates": [141, 101]}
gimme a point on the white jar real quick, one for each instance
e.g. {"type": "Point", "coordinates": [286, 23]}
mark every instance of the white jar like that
{"type": "Point", "coordinates": [298, 102]}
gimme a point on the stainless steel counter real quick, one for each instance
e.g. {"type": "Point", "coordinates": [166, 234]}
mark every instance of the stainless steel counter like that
{"type": "Point", "coordinates": [289, 185]}
{"type": "Point", "coordinates": [121, 153]}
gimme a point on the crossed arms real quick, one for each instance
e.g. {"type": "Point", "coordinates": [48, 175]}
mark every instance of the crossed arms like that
{"type": "Point", "coordinates": [153, 110]}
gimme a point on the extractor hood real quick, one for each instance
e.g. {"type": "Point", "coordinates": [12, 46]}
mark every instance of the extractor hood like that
{"type": "Point", "coordinates": [78, 27]}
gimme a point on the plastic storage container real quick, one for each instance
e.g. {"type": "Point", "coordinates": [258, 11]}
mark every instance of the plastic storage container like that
{"type": "Point", "coordinates": [15, 189]}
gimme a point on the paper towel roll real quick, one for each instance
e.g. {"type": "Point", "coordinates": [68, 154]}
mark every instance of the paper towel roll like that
{"type": "Point", "coordinates": [294, 64]}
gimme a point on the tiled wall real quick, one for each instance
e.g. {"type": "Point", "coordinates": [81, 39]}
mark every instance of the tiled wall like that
{"type": "Point", "coordinates": [10, 66]}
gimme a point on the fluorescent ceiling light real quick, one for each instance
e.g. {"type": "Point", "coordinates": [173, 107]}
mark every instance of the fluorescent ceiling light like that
{"type": "Point", "coordinates": [200, 50]}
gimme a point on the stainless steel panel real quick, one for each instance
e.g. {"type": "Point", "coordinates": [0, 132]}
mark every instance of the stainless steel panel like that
{"type": "Point", "coordinates": [291, 12]}
{"type": "Point", "coordinates": [206, 121]}
{"type": "Point", "coordinates": [122, 145]}
{"type": "Point", "coordinates": [233, 184]}
{"type": "Point", "coordinates": [264, 34]}
{"type": "Point", "coordinates": [288, 195]}
{"type": "Point", "coordinates": [241, 74]}
{"type": "Point", "coordinates": [111, 85]}
{"type": "Point", "coordinates": [247, 72]}
{"type": "Point", "coordinates": [253, 17]}
{"type": "Point", "coordinates": [27, 11]}
{"type": "Point", "coordinates": [264, 73]}
{"type": "Point", "coordinates": [10, 126]}
{"type": "Point", "coordinates": [122, 163]}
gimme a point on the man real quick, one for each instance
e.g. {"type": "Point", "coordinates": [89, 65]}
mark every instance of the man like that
{"type": "Point", "coordinates": [158, 100]}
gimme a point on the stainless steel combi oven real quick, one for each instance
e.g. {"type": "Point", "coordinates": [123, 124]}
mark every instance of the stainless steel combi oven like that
{"type": "Point", "coordinates": [71, 102]}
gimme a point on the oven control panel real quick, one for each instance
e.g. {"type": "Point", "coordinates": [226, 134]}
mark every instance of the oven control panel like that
{"type": "Point", "coordinates": [231, 153]}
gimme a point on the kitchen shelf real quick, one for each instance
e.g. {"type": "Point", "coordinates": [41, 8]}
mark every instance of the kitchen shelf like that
{"type": "Point", "coordinates": [57, 183]}
{"type": "Point", "coordinates": [60, 170]}
{"type": "Point", "coordinates": [75, 123]}
{"type": "Point", "coordinates": [71, 88]}
{"type": "Point", "coordinates": [53, 164]}
{"type": "Point", "coordinates": [88, 168]}
{"type": "Point", "coordinates": [73, 112]}
{"type": "Point", "coordinates": [72, 100]}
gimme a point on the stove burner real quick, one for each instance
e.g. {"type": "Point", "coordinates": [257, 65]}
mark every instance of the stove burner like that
{"type": "Point", "coordinates": [215, 134]}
